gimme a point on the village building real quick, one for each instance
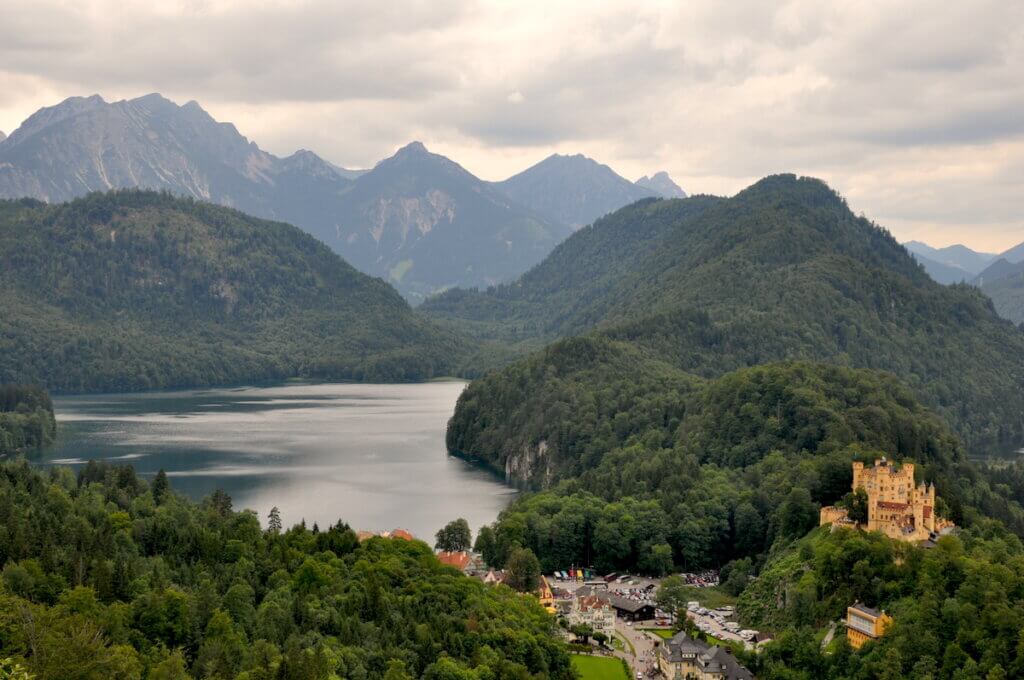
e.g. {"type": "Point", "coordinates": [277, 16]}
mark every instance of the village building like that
{"type": "Point", "coordinates": [633, 610]}
{"type": "Point", "coordinates": [896, 507]}
{"type": "Point", "coordinates": [683, 658]}
{"type": "Point", "coordinates": [864, 624]}
{"type": "Point", "coordinates": [397, 533]}
{"type": "Point", "coordinates": [493, 577]}
{"type": "Point", "coordinates": [595, 611]}
{"type": "Point", "coordinates": [546, 595]}
{"type": "Point", "coordinates": [460, 560]}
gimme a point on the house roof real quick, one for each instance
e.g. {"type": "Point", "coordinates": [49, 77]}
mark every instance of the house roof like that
{"type": "Point", "coordinates": [627, 605]}
{"type": "Point", "coordinates": [403, 534]}
{"type": "Point", "coordinates": [592, 602]}
{"type": "Point", "coordinates": [460, 560]}
{"type": "Point", "coordinates": [711, 658]}
{"type": "Point", "coordinates": [864, 609]}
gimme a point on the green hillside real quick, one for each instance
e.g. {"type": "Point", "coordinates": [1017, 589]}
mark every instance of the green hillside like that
{"type": "Point", "coordinates": [958, 608]}
{"type": "Point", "coordinates": [783, 270]}
{"type": "Point", "coordinates": [137, 290]}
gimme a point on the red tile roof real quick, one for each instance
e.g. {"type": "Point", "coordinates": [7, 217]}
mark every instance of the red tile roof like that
{"type": "Point", "coordinates": [403, 534]}
{"type": "Point", "coordinates": [459, 560]}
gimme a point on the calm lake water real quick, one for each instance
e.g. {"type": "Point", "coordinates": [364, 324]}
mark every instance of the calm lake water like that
{"type": "Point", "coordinates": [372, 455]}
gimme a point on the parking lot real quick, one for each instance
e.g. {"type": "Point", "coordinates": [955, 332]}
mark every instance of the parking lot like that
{"type": "Point", "coordinates": [714, 622]}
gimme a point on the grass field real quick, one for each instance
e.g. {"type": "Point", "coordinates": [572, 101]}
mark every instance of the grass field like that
{"type": "Point", "coordinates": [660, 632]}
{"type": "Point", "coordinates": [598, 667]}
{"type": "Point", "coordinates": [710, 597]}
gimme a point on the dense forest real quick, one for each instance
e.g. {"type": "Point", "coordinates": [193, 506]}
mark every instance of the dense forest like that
{"type": "Point", "coordinates": [138, 290]}
{"type": "Point", "coordinates": [106, 577]}
{"type": "Point", "coordinates": [650, 472]}
{"type": "Point", "coordinates": [26, 419]}
{"type": "Point", "coordinates": [783, 270]}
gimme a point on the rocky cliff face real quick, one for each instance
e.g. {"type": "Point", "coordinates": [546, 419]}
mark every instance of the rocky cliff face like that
{"type": "Point", "coordinates": [530, 466]}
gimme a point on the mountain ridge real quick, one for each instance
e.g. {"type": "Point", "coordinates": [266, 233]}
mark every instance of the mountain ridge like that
{"type": "Point", "coordinates": [572, 189]}
{"type": "Point", "coordinates": [782, 270]}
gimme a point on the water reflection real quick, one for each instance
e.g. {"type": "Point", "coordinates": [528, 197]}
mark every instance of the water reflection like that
{"type": "Point", "coordinates": [372, 455]}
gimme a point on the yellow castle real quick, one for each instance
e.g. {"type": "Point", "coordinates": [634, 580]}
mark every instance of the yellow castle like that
{"type": "Point", "coordinates": [896, 507]}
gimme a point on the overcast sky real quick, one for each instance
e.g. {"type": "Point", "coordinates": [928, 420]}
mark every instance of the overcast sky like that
{"type": "Point", "coordinates": [913, 110]}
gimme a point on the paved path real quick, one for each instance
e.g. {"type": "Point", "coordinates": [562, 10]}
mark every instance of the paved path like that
{"type": "Point", "coordinates": [829, 635]}
{"type": "Point", "coordinates": [642, 642]}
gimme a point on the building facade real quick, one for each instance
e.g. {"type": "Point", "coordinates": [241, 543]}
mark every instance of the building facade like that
{"type": "Point", "coordinates": [864, 624]}
{"type": "Point", "coordinates": [683, 658]}
{"type": "Point", "coordinates": [594, 611]}
{"type": "Point", "coordinates": [896, 506]}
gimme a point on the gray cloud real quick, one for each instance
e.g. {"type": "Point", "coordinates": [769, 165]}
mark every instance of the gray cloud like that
{"type": "Point", "coordinates": [910, 108]}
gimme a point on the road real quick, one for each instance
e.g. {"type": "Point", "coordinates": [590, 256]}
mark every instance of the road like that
{"type": "Point", "coordinates": [642, 642]}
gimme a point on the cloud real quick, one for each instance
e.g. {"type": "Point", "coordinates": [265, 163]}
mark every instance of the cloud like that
{"type": "Point", "coordinates": [910, 108]}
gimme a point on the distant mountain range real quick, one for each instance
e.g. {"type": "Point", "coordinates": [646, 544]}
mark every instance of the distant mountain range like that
{"type": "Point", "coordinates": [1000, 276]}
{"type": "Point", "coordinates": [573, 190]}
{"type": "Point", "coordinates": [2, 136]}
{"type": "Point", "coordinates": [417, 219]}
{"type": "Point", "coordinates": [952, 264]}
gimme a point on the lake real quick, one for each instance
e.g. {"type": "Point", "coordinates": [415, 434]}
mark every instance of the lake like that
{"type": "Point", "coordinates": [372, 455]}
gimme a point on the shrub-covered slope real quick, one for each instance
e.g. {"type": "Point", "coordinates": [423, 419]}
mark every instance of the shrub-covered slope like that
{"type": "Point", "coordinates": [136, 290]}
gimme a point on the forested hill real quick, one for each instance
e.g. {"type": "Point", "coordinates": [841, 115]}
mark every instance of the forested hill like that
{"type": "Point", "coordinates": [106, 576]}
{"type": "Point", "coordinates": [135, 290]}
{"type": "Point", "coordinates": [26, 419]}
{"type": "Point", "coordinates": [783, 270]}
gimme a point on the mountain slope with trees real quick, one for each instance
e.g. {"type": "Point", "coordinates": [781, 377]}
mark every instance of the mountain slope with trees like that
{"type": "Point", "coordinates": [138, 290]}
{"type": "Point", "coordinates": [26, 419]}
{"type": "Point", "coordinates": [644, 468]}
{"type": "Point", "coordinates": [783, 270]}
{"type": "Point", "coordinates": [1003, 281]}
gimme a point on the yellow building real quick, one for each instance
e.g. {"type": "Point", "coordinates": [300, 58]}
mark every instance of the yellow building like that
{"type": "Point", "coordinates": [546, 595]}
{"type": "Point", "coordinates": [864, 623]}
{"type": "Point", "coordinates": [896, 507]}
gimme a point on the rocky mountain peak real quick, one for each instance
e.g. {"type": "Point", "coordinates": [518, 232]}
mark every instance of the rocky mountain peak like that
{"type": "Point", "coordinates": [662, 184]}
